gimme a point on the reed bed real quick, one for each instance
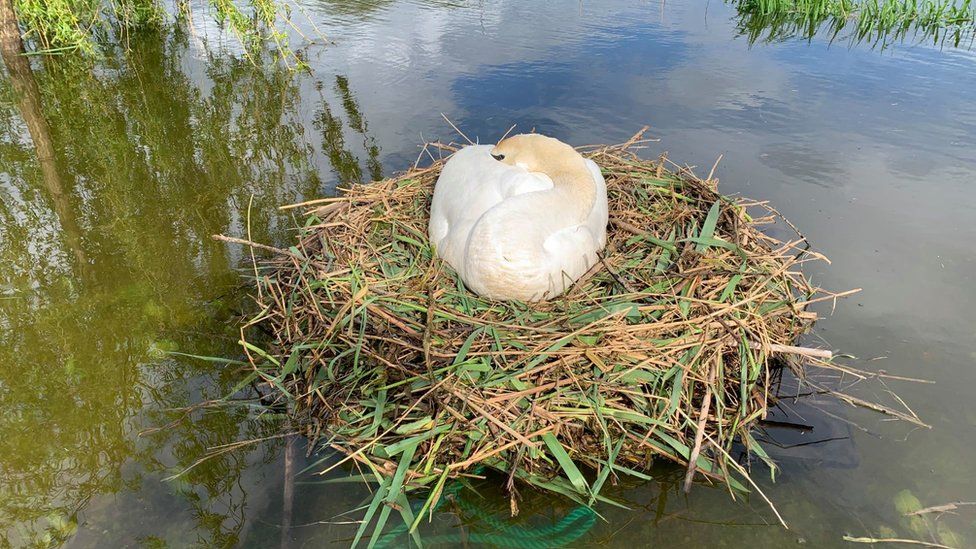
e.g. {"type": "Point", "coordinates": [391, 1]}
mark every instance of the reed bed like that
{"type": "Point", "coordinates": [877, 22]}
{"type": "Point", "coordinates": [664, 350]}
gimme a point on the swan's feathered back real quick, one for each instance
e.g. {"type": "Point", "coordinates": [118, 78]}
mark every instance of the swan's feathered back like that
{"type": "Point", "coordinates": [515, 234]}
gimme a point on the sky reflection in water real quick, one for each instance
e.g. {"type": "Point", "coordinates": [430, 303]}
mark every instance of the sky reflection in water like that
{"type": "Point", "coordinates": [108, 262]}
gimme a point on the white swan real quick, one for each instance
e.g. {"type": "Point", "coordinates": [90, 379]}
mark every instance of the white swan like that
{"type": "Point", "coordinates": [521, 220]}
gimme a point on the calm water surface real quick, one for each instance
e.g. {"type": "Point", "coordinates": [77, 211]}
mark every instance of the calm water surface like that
{"type": "Point", "coordinates": [106, 261]}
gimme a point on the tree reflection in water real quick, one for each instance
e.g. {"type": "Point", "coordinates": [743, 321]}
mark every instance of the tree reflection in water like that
{"type": "Point", "coordinates": [113, 178]}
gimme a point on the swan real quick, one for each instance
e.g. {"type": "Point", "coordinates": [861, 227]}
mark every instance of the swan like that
{"type": "Point", "coordinates": [520, 220]}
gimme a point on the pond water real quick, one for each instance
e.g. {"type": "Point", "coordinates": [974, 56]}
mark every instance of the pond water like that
{"type": "Point", "coordinates": [107, 265]}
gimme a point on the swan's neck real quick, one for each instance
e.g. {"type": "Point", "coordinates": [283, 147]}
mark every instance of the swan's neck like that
{"type": "Point", "coordinates": [572, 178]}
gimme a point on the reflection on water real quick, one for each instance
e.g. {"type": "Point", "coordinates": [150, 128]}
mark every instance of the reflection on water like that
{"type": "Point", "coordinates": [344, 163]}
{"type": "Point", "coordinates": [108, 204]}
{"type": "Point", "coordinates": [114, 176]}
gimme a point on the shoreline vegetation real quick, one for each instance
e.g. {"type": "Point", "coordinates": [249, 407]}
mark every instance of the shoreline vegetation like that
{"type": "Point", "coordinates": [668, 349]}
{"type": "Point", "coordinates": [875, 22]}
{"type": "Point", "coordinates": [88, 27]}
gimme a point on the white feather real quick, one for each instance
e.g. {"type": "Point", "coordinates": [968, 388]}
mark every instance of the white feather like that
{"type": "Point", "coordinates": [505, 230]}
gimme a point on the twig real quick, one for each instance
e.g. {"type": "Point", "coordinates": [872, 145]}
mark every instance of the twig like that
{"type": "Point", "coordinates": [748, 478]}
{"type": "Point", "coordinates": [941, 508]}
{"type": "Point", "coordinates": [508, 132]}
{"type": "Point", "coordinates": [711, 173]}
{"type": "Point", "coordinates": [855, 401]}
{"type": "Point", "coordinates": [254, 262]}
{"type": "Point", "coordinates": [233, 240]}
{"type": "Point", "coordinates": [896, 540]}
{"type": "Point", "coordinates": [310, 202]}
{"type": "Point", "coordinates": [456, 129]}
{"type": "Point", "coordinates": [288, 492]}
{"type": "Point", "coordinates": [700, 432]}
{"type": "Point", "coordinates": [793, 350]}
{"type": "Point", "coordinates": [635, 138]}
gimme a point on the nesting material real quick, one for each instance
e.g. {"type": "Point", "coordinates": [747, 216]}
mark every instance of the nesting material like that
{"type": "Point", "coordinates": [664, 350]}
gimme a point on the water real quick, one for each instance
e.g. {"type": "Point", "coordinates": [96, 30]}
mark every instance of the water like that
{"type": "Point", "coordinates": [107, 261]}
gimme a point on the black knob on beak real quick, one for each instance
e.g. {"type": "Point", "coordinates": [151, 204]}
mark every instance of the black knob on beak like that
{"type": "Point", "coordinates": [498, 157]}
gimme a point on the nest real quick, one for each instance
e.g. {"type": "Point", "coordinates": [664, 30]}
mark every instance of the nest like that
{"type": "Point", "coordinates": [665, 349]}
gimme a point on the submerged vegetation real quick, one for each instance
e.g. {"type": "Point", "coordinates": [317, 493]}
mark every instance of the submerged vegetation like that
{"type": "Point", "coordinates": [664, 350]}
{"type": "Point", "coordinates": [877, 22]}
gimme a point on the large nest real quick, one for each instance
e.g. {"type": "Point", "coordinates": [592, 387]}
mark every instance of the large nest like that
{"type": "Point", "coordinates": [664, 349]}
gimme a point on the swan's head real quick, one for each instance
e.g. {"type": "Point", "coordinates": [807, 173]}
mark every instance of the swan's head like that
{"type": "Point", "coordinates": [531, 151]}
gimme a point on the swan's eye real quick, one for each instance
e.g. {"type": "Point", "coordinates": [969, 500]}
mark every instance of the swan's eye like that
{"type": "Point", "coordinates": [498, 157]}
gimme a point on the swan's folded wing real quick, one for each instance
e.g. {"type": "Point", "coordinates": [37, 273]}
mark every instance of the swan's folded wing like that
{"type": "Point", "coordinates": [599, 216]}
{"type": "Point", "coordinates": [526, 182]}
{"type": "Point", "coordinates": [471, 183]}
{"type": "Point", "coordinates": [437, 228]}
{"type": "Point", "coordinates": [570, 252]}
